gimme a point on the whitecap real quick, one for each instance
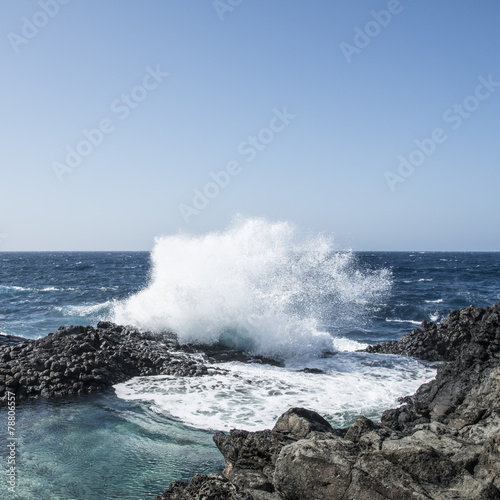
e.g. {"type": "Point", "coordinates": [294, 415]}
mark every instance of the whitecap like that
{"type": "Point", "coordinates": [86, 309]}
{"type": "Point", "coordinates": [397, 320]}
{"type": "Point", "coordinates": [13, 288]}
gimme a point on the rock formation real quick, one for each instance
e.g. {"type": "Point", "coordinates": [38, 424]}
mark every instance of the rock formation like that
{"type": "Point", "coordinates": [443, 443]}
{"type": "Point", "coordinates": [83, 360]}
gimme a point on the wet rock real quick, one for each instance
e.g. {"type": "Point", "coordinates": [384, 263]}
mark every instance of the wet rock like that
{"type": "Point", "coordinates": [11, 340]}
{"type": "Point", "coordinates": [442, 443]}
{"type": "Point", "coordinates": [468, 332]}
{"type": "Point", "coordinates": [220, 353]}
{"type": "Point", "coordinates": [206, 487]}
{"type": "Point", "coordinates": [83, 360]}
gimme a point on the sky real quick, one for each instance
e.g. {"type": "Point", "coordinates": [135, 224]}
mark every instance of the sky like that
{"type": "Point", "coordinates": [375, 121]}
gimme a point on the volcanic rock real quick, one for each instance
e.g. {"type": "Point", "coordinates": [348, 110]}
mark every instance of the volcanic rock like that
{"type": "Point", "coordinates": [443, 443]}
{"type": "Point", "coordinates": [83, 360]}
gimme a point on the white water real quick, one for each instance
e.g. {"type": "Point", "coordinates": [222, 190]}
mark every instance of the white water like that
{"type": "Point", "coordinates": [253, 396]}
{"type": "Point", "coordinates": [260, 286]}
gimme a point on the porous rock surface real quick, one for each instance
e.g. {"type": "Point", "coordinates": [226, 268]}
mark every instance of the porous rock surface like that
{"type": "Point", "coordinates": [83, 360]}
{"type": "Point", "coordinates": [443, 443]}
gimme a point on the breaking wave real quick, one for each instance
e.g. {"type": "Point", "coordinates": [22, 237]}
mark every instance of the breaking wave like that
{"type": "Point", "coordinates": [259, 286]}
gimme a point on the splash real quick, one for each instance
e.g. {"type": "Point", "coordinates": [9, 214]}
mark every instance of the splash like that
{"type": "Point", "coordinates": [258, 286]}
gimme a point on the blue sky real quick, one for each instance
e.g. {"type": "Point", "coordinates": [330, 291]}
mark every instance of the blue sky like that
{"type": "Point", "coordinates": [307, 109]}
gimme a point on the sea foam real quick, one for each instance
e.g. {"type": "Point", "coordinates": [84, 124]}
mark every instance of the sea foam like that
{"type": "Point", "coordinates": [252, 397]}
{"type": "Point", "coordinates": [259, 286]}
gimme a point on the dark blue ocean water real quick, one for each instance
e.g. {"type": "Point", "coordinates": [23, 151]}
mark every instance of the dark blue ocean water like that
{"type": "Point", "coordinates": [132, 446]}
{"type": "Point", "coordinates": [41, 291]}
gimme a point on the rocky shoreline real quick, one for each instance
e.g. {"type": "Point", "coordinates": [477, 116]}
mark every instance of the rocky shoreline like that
{"type": "Point", "coordinates": [443, 443]}
{"type": "Point", "coordinates": [78, 360]}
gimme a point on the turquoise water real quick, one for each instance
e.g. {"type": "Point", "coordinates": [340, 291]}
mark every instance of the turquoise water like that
{"type": "Point", "coordinates": [101, 447]}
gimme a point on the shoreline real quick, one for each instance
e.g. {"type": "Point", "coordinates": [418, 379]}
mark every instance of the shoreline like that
{"type": "Point", "coordinates": [444, 442]}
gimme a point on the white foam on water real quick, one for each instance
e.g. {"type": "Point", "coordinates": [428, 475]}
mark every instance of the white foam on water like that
{"type": "Point", "coordinates": [8, 288]}
{"type": "Point", "coordinates": [397, 320]}
{"type": "Point", "coordinates": [438, 301]}
{"type": "Point", "coordinates": [258, 286]}
{"type": "Point", "coordinates": [86, 310]}
{"type": "Point", "coordinates": [252, 396]}
{"type": "Point", "coordinates": [347, 345]}
{"type": "Point", "coordinates": [434, 317]}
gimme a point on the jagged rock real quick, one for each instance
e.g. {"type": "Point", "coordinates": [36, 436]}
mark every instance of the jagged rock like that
{"type": "Point", "coordinates": [82, 360]}
{"type": "Point", "coordinates": [463, 392]}
{"type": "Point", "coordinates": [319, 466]}
{"type": "Point", "coordinates": [467, 332]}
{"type": "Point", "coordinates": [300, 422]}
{"type": "Point", "coordinates": [11, 340]}
{"type": "Point", "coordinates": [204, 487]}
{"type": "Point", "coordinates": [443, 443]}
{"type": "Point", "coordinates": [250, 456]}
{"type": "Point", "coordinates": [219, 352]}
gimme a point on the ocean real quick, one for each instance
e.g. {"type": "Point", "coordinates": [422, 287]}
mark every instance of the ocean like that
{"type": "Point", "coordinates": [258, 286]}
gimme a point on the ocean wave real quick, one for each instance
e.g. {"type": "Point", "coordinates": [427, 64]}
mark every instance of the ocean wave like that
{"type": "Point", "coordinates": [438, 301]}
{"type": "Point", "coordinates": [21, 289]}
{"type": "Point", "coordinates": [87, 310]}
{"type": "Point", "coordinates": [12, 288]}
{"type": "Point", "coordinates": [258, 286]}
{"type": "Point", "coordinates": [397, 320]}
